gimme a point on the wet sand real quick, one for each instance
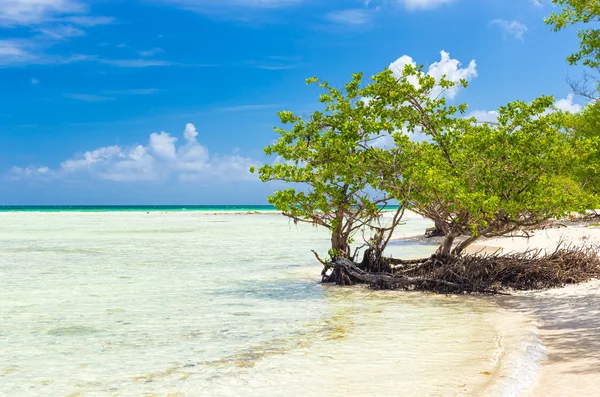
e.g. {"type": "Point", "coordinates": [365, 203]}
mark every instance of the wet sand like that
{"type": "Point", "coordinates": [568, 318]}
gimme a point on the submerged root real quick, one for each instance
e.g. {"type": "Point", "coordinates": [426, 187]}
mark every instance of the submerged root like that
{"type": "Point", "coordinates": [495, 273]}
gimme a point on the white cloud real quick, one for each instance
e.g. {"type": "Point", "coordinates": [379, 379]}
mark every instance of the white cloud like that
{"type": "Point", "coordinates": [90, 21]}
{"type": "Point", "coordinates": [31, 172]}
{"type": "Point", "coordinates": [451, 68]}
{"type": "Point", "coordinates": [274, 63]}
{"type": "Point", "coordinates": [134, 91]}
{"type": "Point", "coordinates": [512, 28]}
{"type": "Point", "coordinates": [484, 116]}
{"type": "Point", "coordinates": [150, 53]}
{"type": "Point", "coordinates": [354, 17]}
{"type": "Point", "coordinates": [88, 97]}
{"type": "Point", "coordinates": [382, 141]}
{"type": "Point", "coordinates": [33, 12]}
{"type": "Point", "coordinates": [14, 51]}
{"type": "Point", "coordinates": [491, 116]}
{"type": "Point", "coordinates": [48, 22]}
{"type": "Point", "coordinates": [190, 133]}
{"type": "Point", "coordinates": [239, 10]}
{"type": "Point", "coordinates": [134, 63]}
{"type": "Point", "coordinates": [20, 52]}
{"type": "Point", "coordinates": [424, 4]}
{"type": "Point", "coordinates": [204, 4]}
{"type": "Point", "coordinates": [112, 163]}
{"type": "Point", "coordinates": [567, 105]}
{"type": "Point", "coordinates": [163, 145]}
{"type": "Point", "coordinates": [160, 159]}
{"type": "Point", "coordinates": [446, 66]}
{"type": "Point", "coordinates": [61, 32]}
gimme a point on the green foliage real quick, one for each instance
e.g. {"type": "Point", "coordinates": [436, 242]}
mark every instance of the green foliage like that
{"type": "Point", "coordinates": [585, 131]}
{"type": "Point", "coordinates": [580, 12]}
{"type": "Point", "coordinates": [330, 154]}
{"type": "Point", "coordinates": [333, 154]}
{"type": "Point", "coordinates": [470, 178]}
{"type": "Point", "coordinates": [491, 179]}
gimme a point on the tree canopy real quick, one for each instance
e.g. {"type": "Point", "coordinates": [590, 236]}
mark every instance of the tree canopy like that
{"type": "Point", "coordinates": [493, 179]}
{"type": "Point", "coordinates": [584, 127]}
{"type": "Point", "coordinates": [473, 179]}
{"type": "Point", "coordinates": [331, 159]}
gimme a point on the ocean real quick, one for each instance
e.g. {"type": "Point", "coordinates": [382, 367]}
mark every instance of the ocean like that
{"type": "Point", "coordinates": [213, 301]}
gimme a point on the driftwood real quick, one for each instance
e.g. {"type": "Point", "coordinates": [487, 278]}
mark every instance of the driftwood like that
{"type": "Point", "coordinates": [488, 274]}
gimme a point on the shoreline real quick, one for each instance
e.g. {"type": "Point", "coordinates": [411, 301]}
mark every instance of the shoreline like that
{"type": "Point", "coordinates": [567, 321]}
{"type": "Point", "coordinates": [563, 321]}
{"type": "Point", "coordinates": [566, 318]}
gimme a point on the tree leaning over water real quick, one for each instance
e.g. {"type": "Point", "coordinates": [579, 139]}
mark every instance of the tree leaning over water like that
{"type": "Point", "coordinates": [331, 158]}
{"type": "Point", "coordinates": [472, 179]}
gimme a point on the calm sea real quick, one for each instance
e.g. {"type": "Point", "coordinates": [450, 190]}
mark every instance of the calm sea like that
{"type": "Point", "coordinates": [158, 301]}
{"type": "Point", "coordinates": [135, 208]}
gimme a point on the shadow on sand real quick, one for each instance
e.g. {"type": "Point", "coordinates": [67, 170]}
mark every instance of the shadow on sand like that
{"type": "Point", "coordinates": [570, 326]}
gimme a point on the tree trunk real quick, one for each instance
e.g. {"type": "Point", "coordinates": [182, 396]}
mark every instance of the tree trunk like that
{"type": "Point", "coordinates": [374, 262]}
{"type": "Point", "coordinates": [446, 247]}
{"type": "Point", "coordinates": [436, 231]}
{"type": "Point", "coordinates": [459, 249]}
{"type": "Point", "coordinates": [339, 243]}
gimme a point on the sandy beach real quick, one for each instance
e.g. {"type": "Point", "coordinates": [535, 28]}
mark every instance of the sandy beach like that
{"type": "Point", "coordinates": [568, 317]}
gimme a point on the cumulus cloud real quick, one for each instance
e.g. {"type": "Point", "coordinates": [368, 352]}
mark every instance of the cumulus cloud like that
{"type": "Point", "coordinates": [567, 104]}
{"type": "Point", "coordinates": [190, 133]}
{"type": "Point", "coordinates": [491, 116]}
{"type": "Point", "coordinates": [31, 172]}
{"type": "Point", "coordinates": [484, 116]}
{"type": "Point", "coordinates": [162, 158]}
{"type": "Point", "coordinates": [163, 145]}
{"type": "Point", "coordinates": [446, 66]}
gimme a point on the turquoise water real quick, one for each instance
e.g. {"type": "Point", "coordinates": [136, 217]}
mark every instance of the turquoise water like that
{"type": "Point", "coordinates": [134, 208]}
{"type": "Point", "coordinates": [202, 304]}
{"type": "Point", "coordinates": [142, 208]}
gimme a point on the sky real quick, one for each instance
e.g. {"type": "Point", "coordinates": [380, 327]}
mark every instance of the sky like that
{"type": "Point", "coordinates": [171, 101]}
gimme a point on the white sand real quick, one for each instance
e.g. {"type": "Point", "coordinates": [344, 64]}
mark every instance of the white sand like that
{"type": "Point", "coordinates": [569, 318]}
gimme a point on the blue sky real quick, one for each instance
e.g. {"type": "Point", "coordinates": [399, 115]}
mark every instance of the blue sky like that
{"type": "Point", "coordinates": [170, 101]}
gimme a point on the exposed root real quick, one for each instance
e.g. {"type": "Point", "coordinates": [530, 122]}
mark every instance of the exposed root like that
{"type": "Point", "coordinates": [495, 273]}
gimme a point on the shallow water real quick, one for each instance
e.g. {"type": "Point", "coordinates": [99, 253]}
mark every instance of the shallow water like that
{"type": "Point", "coordinates": [191, 304]}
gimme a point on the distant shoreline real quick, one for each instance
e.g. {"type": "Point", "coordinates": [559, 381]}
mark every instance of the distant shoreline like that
{"type": "Point", "coordinates": [138, 208]}
{"type": "Point", "coordinates": [235, 209]}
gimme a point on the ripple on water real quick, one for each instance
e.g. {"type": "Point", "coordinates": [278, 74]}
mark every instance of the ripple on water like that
{"type": "Point", "coordinates": [74, 330]}
{"type": "Point", "coordinates": [220, 305]}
